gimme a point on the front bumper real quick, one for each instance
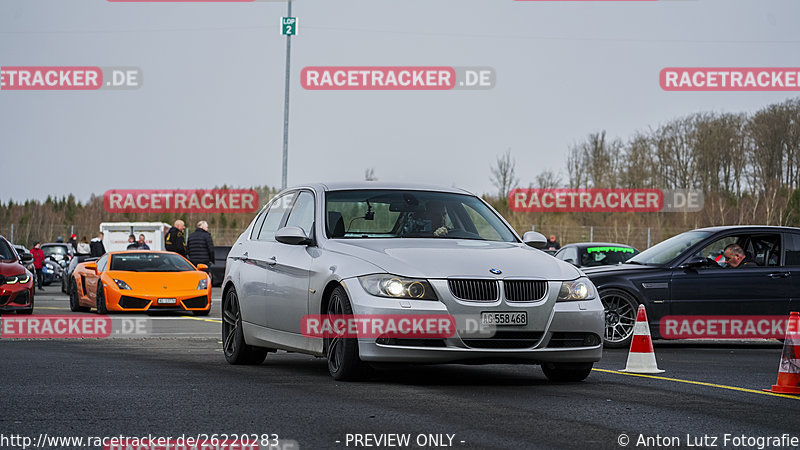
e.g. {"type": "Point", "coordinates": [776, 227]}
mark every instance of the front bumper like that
{"type": "Point", "coordinates": [556, 331]}
{"type": "Point", "coordinates": [16, 297]}
{"type": "Point", "coordinates": [133, 301]}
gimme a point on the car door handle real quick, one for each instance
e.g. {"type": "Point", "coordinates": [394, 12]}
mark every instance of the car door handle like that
{"type": "Point", "coordinates": [779, 275]}
{"type": "Point", "coordinates": [272, 261]}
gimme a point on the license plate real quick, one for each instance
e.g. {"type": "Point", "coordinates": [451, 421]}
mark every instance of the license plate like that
{"type": "Point", "coordinates": [167, 301]}
{"type": "Point", "coordinates": [505, 318]}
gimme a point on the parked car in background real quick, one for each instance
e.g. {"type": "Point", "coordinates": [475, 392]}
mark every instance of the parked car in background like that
{"type": "Point", "coordinates": [60, 252]}
{"type": "Point", "coordinates": [66, 277]}
{"type": "Point", "coordinates": [16, 282]}
{"type": "Point", "coordinates": [398, 251]}
{"type": "Point", "coordinates": [217, 269]}
{"type": "Point", "coordinates": [24, 253]}
{"type": "Point", "coordinates": [593, 254]}
{"type": "Point", "coordinates": [684, 276]}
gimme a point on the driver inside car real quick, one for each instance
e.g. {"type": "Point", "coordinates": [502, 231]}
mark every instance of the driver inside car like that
{"type": "Point", "coordinates": [735, 257]}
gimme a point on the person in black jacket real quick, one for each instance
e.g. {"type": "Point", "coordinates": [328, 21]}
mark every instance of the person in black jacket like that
{"type": "Point", "coordinates": [96, 246]}
{"type": "Point", "coordinates": [200, 248]}
{"type": "Point", "coordinates": [174, 240]}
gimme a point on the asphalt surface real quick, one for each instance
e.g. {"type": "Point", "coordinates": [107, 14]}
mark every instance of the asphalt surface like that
{"type": "Point", "coordinates": [173, 381]}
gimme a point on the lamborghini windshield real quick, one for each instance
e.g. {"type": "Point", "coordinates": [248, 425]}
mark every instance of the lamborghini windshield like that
{"type": "Point", "coordinates": [149, 262]}
{"type": "Point", "coordinates": [412, 214]}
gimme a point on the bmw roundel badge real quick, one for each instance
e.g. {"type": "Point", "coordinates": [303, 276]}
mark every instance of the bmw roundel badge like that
{"type": "Point", "coordinates": [495, 271]}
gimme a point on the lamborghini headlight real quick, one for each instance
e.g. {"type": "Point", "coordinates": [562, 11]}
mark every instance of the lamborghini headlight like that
{"type": "Point", "coordinates": [203, 284]}
{"type": "Point", "coordinates": [580, 289]}
{"type": "Point", "coordinates": [122, 285]}
{"type": "Point", "coordinates": [393, 286]}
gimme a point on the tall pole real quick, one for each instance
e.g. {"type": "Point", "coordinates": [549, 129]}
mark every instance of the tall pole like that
{"type": "Point", "coordinates": [286, 103]}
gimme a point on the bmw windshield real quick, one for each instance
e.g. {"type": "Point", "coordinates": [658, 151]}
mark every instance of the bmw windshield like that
{"type": "Point", "coordinates": [412, 214]}
{"type": "Point", "coordinates": [666, 251]}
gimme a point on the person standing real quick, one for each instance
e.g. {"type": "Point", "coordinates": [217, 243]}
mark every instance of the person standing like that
{"type": "Point", "coordinates": [96, 246]}
{"type": "Point", "coordinates": [132, 245]}
{"type": "Point", "coordinates": [73, 241]}
{"type": "Point", "coordinates": [175, 240]}
{"type": "Point", "coordinates": [200, 248]}
{"type": "Point", "coordinates": [552, 243]}
{"type": "Point", "coordinates": [83, 248]}
{"type": "Point", "coordinates": [38, 263]}
{"type": "Point", "coordinates": [142, 244]}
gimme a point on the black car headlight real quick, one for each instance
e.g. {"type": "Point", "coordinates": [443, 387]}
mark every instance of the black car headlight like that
{"type": "Point", "coordinates": [18, 279]}
{"type": "Point", "coordinates": [580, 289]}
{"type": "Point", "coordinates": [122, 285]}
{"type": "Point", "coordinates": [393, 286]}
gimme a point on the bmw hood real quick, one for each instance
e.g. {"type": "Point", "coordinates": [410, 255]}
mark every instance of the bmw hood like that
{"type": "Point", "coordinates": [444, 258]}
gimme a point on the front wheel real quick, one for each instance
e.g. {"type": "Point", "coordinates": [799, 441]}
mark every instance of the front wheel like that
{"type": "Point", "coordinates": [233, 346]}
{"type": "Point", "coordinates": [101, 299]}
{"type": "Point", "coordinates": [620, 308]}
{"type": "Point", "coordinates": [571, 372]}
{"type": "Point", "coordinates": [342, 353]}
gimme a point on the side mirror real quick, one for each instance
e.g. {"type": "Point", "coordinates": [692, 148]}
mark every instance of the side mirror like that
{"type": "Point", "coordinates": [91, 266]}
{"type": "Point", "coordinates": [694, 262]}
{"type": "Point", "coordinates": [571, 261]}
{"type": "Point", "coordinates": [202, 267]}
{"type": "Point", "coordinates": [534, 239]}
{"type": "Point", "coordinates": [26, 258]}
{"type": "Point", "coordinates": [292, 236]}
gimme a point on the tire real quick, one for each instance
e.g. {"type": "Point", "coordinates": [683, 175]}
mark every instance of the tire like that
{"type": "Point", "coordinates": [233, 346]}
{"type": "Point", "coordinates": [74, 304]}
{"type": "Point", "coordinates": [342, 353]}
{"type": "Point", "coordinates": [620, 312]}
{"type": "Point", "coordinates": [571, 372]}
{"type": "Point", "coordinates": [101, 299]}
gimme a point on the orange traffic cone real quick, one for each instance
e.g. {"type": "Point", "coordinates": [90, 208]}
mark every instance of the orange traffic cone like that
{"type": "Point", "coordinates": [789, 369]}
{"type": "Point", "coordinates": [641, 357]}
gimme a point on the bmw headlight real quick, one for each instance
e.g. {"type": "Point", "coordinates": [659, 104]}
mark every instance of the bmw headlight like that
{"type": "Point", "coordinates": [393, 286]}
{"type": "Point", "coordinates": [203, 284]}
{"type": "Point", "coordinates": [18, 279]}
{"type": "Point", "coordinates": [580, 289]}
{"type": "Point", "coordinates": [122, 285]}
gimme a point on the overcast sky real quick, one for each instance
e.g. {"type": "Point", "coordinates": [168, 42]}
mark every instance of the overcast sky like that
{"type": "Point", "coordinates": [210, 111]}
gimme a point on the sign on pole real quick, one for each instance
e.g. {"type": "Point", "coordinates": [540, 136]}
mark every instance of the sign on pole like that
{"type": "Point", "coordinates": [288, 26]}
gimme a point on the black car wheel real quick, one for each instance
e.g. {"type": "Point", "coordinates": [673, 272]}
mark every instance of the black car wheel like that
{"type": "Point", "coordinates": [233, 346]}
{"type": "Point", "coordinates": [342, 353]}
{"type": "Point", "coordinates": [74, 304]}
{"type": "Point", "coordinates": [567, 371]}
{"type": "Point", "coordinates": [620, 308]}
{"type": "Point", "coordinates": [101, 299]}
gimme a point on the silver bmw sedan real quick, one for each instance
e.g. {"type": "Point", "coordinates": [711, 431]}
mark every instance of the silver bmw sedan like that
{"type": "Point", "coordinates": [371, 273]}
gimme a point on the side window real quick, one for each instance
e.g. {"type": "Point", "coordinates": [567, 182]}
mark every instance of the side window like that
{"type": "Point", "coordinates": [792, 249]}
{"type": "Point", "coordinates": [101, 263]}
{"type": "Point", "coordinates": [274, 217]}
{"type": "Point", "coordinates": [257, 224]}
{"type": "Point", "coordinates": [766, 249]}
{"type": "Point", "coordinates": [715, 250]}
{"type": "Point", "coordinates": [302, 214]}
{"type": "Point", "coordinates": [570, 254]}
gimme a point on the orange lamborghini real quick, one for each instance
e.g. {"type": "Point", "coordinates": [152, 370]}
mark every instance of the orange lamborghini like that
{"type": "Point", "coordinates": [141, 280]}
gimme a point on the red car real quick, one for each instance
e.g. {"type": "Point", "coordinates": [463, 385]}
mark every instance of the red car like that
{"type": "Point", "coordinates": [16, 282]}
